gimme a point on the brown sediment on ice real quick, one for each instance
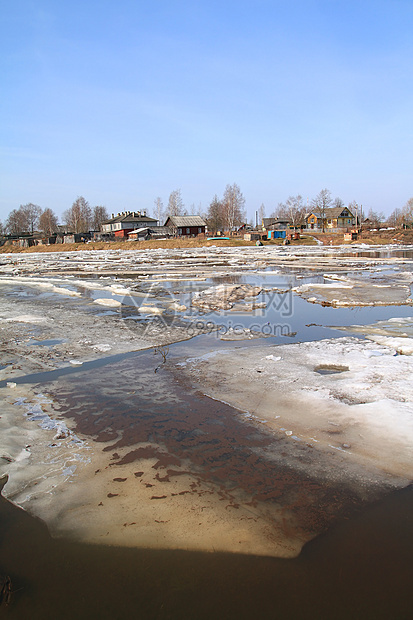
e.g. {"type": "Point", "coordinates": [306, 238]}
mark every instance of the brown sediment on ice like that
{"type": "Point", "coordinates": [196, 473]}
{"type": "Point", "coordinates": [184, 471]}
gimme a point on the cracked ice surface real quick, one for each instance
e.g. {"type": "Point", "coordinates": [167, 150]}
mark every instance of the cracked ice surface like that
{"type": "Point", "coordinates": [394, 289]}
{"type": "Point", "coordinates": [346, 395]}
{"type": "Point", "coordinates": [396, 333]}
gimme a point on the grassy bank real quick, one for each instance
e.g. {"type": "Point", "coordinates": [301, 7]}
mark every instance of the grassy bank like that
{"type": "Point", "coordinates": [147, 245]}
{"type": "Point", "coordinates": [369, 237]}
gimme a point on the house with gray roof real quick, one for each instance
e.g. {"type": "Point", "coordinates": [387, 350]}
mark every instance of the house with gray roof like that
{"type": "Point", "coordinates": [186, 225]}
{"type": "Point", "coordinates": [123, 223]}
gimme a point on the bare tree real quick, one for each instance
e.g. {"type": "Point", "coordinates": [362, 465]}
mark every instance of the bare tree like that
{"type": "Point", "coordinates": [99, 215]}
{"type": "Point", "coordinates": [376, 218]}
{"type": "Point", "coordinates": [159, 209]}
{"type": "Point", "coordinates": [279, 211]}
{"type": "Point", "coordinates": [23, 219]}
{"type": "Point", "coordinates": [32, 213]}
{"type": "Point", "coordinates": [338, 202]}
{"type": "Point", "coordinates": [175, 203]}
{"type": "Point", "coordinates": [214, 217]}
{"type": "Point", "coordinates": [233, 206]}
{"type": "Point", "coordinates": [261, 213]}
{"type": "Point", "coordinates": [48, 222]}
{"type": "Point", "coordinates": [407, 211]}
{"type": "Point", "coordinates": [395, 219]}
{"type": "Point", "coordinates": [195, 210]}
{"type": "Point", "coordinates": [79, 217]}
{"type": "Point", "coordinates": [15, 223]}
{"type": "Point", "coordinates": [321, 203]}
{"type": "Point", "coordinates": [293, 210]}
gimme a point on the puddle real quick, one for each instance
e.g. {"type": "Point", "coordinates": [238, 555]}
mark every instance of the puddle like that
{"type": "Point", "coordinates": [325, 369]}
{"type": "Point", "coordinates": [360, 570]}
{"type": "Point", "coordinates": [45, 343]}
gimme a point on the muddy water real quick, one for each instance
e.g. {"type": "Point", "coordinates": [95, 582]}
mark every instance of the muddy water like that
{"type": "Point", "coordinates": [140, 400]}
{"type": "Point", "coordinates": [360, 569]}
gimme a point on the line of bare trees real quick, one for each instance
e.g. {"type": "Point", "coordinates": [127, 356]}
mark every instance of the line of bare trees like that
{"type": "Point", "coordinates": [402, 218]}
{"type": "Point", "coordinates": [223, 213]}
{"type": "Point", "coordinates": [29, 218]}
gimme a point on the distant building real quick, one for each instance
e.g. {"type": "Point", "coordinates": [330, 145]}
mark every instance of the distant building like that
{"type": "Point", "coordinates": [123, 223]}
{"type": "Point", "coordinates": [186, 225]}
{"type": "Point", "coordinates": [335, 218]}
{"type": "Point", "coordinates": [274, 223]}
{"type": "Point", "coordinates": [157, 232]}
{"type": "Point", "coordinates": [268, 223]}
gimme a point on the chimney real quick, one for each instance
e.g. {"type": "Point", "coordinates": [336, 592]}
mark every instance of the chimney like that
{"type": "Point", "coordinates": [113, 215]}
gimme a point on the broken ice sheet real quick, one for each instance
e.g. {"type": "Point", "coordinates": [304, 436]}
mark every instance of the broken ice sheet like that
{"type": "Point", "coordinates": [224, 296]}
{"type": "Point", "coordinates": [366, 290]}
{"type": "Point", "coordinates": [367, 411]}
{"type": "Point", "coordinates": [396, 333]}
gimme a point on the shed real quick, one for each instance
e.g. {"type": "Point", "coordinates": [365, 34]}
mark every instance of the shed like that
{"type": "Point", "coordinates": [276, 234]}
{"type": "Point", "coordinates": [138, 233]}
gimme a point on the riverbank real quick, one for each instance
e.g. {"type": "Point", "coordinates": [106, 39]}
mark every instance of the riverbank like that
{"type": "Point", "coordinates": [379, 237]}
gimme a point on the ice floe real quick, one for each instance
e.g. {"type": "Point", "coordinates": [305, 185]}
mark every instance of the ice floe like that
{"type": "Point", "coordinates": [363, 397]}
{"type": "Point", "coordinates": [106, 301]}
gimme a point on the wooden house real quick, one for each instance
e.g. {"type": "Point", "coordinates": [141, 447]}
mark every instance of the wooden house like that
{"type": "Point", "coordinates": [333, 219]}
{"type": "Point", "coordinates": [186, 225]}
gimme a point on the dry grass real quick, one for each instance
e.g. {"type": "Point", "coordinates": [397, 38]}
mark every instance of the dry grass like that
{"type": "Point", "coordinates": [380, 237]}
{"type": "Point", "coordinates": [146, 245]}
{"type": "Point", "coordinates": [368, 237]}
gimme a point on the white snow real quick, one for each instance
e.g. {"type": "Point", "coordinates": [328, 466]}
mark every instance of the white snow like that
{"type": "Point", "coordinates": [151, 310]}
{"type": "Point", "coordinates": [28, 318]}
{"type": "Point", "coordinates": [342, 392]}
{"type": "Point", "coordinates": [395, 334]}
{"type": "Point", "coordinates": [106, 301]}
{"type": "Point", "coordinates": [103, 348]}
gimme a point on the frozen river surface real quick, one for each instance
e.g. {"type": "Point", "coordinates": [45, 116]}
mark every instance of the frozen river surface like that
{"type": "Point", "coordinates": [232, 399]}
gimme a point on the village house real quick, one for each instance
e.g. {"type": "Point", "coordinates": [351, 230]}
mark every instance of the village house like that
{"type": "Point", "coordinates": [186, 225]}
{"type": "Point", "coordinates": [335, 219]}
{"type": "Point", "coordinates": [268, 223]}
{"type": "Point", "coordinates": [123, 223]}
{"type": "Point", "coordinates": [275, 223]}
{"type": "Point", "coordinates": [157, 232]}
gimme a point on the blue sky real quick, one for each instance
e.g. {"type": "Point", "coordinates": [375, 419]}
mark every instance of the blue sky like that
{"type": "Point", "coordinates": [125, 101]}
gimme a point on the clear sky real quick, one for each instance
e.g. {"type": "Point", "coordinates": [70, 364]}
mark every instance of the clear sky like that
{"type": "Point", "coordinates": [124, 101]}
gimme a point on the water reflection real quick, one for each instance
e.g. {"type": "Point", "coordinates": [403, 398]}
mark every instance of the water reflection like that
{"type": "Point", "coordinates": [360, 569]}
